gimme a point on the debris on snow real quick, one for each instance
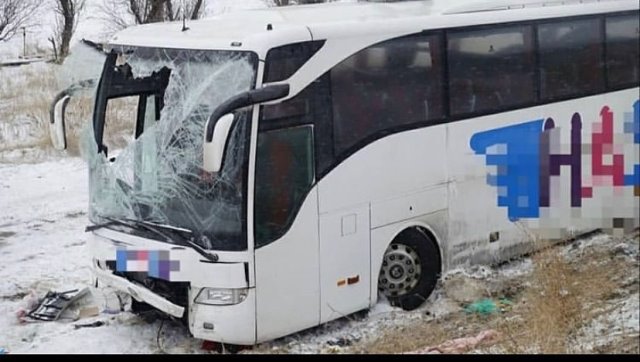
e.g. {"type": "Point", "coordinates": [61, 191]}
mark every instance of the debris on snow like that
{"type": "Point", "coordinates": [461, 345]}
{"type": "Point", "coordinates": [53, 304]}
{"type": "Point", "coordinates": [463, 289]}
{"type": "Point", "coordinates": [28, 303]}
{"type": "Point", "coordinates": [89, 311]}
{"type": "Point", "coordinates": [89, 325]}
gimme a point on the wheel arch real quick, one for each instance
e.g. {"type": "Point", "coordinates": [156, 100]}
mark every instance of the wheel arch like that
{"type": "Point", "coordinates": [424, 228]}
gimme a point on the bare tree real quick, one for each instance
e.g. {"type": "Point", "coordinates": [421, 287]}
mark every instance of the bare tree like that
{"type": "Point", "coordinates": [119, 14]}
{"type": "Point", "coordinates": [67, 17]}
{"type": "Point", "coordinates": [15, 14]}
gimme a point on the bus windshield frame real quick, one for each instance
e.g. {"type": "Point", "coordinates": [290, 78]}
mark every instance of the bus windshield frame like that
{"type": "Point", "coordinates": [158, 176]}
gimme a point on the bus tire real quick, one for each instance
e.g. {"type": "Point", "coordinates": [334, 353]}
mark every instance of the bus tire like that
{"type": "Point", "coordinates": [410, 269]}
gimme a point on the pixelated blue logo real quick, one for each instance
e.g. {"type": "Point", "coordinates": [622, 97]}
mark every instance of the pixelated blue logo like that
{"type": "Point", "coordinates": [524, 162]}
{"type": "Point", "coordinates": [515, 152]}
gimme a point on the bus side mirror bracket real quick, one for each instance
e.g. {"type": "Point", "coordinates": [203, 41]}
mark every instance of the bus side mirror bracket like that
{"type": "Point", "coordinates": [58, 110]}
{"type": "Point", "coordinates": [214, 149]}
{"type": "Point", "coordinates": [216, 131]}
{"type": "Point", "coordinates": [57, 121]}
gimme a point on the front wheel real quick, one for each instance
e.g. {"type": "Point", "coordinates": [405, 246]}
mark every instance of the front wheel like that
{"type": "Point", "coordinates": [410, 269]}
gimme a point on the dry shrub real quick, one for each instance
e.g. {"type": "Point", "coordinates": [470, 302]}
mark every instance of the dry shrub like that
{"type": "Point", "coordinates": [25, 113]}
{"type": "Point", "coordinates": [79, 112]}
{"type": "Point", "coordinates": [120, 122]}
{"type": "Point", "coordinates": [563, 296]}
{"type": "Point", "coordinates": [553, 305]}
{"type": "Point", "coordinates": [408, 338]}
{"type": "Point", "coordinates": [119, 125]}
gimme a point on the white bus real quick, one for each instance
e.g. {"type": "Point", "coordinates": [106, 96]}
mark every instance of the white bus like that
{"type": "Point", "coordinates": [291, 166]}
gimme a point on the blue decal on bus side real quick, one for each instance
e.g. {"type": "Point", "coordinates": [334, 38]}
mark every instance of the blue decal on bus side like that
{"type": "Point", "coordinates": [517, 158]}
{"type": "Point", "coordinates": [632, 125]}
{"type": "Point", "coordinates": [525, 163]}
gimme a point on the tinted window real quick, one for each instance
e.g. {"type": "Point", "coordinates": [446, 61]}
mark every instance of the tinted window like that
{"type": "Point", "coordinates": [284, 175]}
{"type": "Point", "coordinates": [394, 83]}
{"type": "Point", "coordinates": [570, 58]}
{"type": "Point", "coordinates": [623, 50]}
{"type": "Point", "coordinates": [284, 61]}
{"type": "Point", "coordinates": [311, 106]}
{"type": "Point", "coordinates": [490, 70]}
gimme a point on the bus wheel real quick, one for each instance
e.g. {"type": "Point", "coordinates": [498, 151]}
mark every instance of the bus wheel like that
{"type": "Point", "coordinates": [410, 269]}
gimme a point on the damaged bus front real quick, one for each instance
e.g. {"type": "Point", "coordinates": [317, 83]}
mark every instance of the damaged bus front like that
{"type": "Point", "coordinates": [169, 209]}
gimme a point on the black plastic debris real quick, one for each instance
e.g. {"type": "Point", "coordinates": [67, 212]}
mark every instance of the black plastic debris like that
{"type": "Point", "coordinates": [54, 303]}
{"type": "Point", "coordinates": [340, 342]}
{"type": "Point", "coordinates": [89, 325]}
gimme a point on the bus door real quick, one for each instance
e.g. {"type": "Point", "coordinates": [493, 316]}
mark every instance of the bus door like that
{"type": "Point", "coordinates": [344, 262]}
{"type": "Point", "coordinates": [286, 232]}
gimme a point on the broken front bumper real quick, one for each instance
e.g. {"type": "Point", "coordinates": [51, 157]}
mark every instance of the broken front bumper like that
{"type": "Point", "coordinates": [137, 292]}
{"type": "Point", "coordinates": [235, 324]}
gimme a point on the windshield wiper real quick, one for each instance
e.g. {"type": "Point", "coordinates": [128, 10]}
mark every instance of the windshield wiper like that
{"type": "Point", "coordinates": [111, 222]}
{"type": "Point", "coordinates": [181, 240]}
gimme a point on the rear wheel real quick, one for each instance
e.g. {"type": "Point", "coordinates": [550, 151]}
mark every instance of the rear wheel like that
{"type": "Point", "coordinates": [410, 269]}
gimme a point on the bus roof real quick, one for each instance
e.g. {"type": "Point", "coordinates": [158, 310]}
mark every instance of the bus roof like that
{"type": "Point", "coordinates": [261, 29]}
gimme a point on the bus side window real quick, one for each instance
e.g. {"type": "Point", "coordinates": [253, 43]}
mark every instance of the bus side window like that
{"type": "Point", "coordinates": [284, 175]}
{"type": "Point", "coordinates": [570, 58]}
{"type": "Point", "coordinates": [283, 62]}
{"type": "Point", "coordinates": [623, 50]}
{"type": "Point", "coordinates": [491, 70]}
{"type": "Point", "coordinates": [388, 85]}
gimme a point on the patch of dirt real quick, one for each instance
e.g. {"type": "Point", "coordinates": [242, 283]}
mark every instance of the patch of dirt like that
{"type": "Point", "coordinates": [626, 344]}
{"type": "Point", "coordinates": [71, 245]}
{"type": "Point", "coordinates": [14, 297]}
{"type": "Point", "coordinates": [6, 235]}
{"type": "Point", "coordinates": [547, 309]}
{"type": "Point", "coordinates": [75, 215]}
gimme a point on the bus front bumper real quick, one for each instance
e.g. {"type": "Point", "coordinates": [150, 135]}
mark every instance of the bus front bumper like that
{"type": "Point", "coordinates": [139, 293]}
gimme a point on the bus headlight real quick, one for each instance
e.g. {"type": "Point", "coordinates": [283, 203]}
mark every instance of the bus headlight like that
{"type": "Point", "coordinates": [215, 296]}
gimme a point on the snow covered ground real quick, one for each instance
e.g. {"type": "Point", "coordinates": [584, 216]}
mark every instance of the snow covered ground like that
{"type": "Point", "coordinates": [42, 243]}
{"type": "Point", "coordinates": [43, 203]}
{"type": "Point", "coordinates": [43, 247]}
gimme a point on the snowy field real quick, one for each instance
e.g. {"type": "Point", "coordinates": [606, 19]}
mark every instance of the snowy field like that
{"type": "Point", "coordinates": [43, 247]}
{"type": "Point", "coordinates": [43, 205]}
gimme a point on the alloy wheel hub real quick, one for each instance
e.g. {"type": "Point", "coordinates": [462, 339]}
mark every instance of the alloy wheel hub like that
{"type": "Point", "coordinates": [400, 271]}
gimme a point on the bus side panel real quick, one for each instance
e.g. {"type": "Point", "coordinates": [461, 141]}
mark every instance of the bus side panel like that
{"type": "Point", "coordinates": [344, 262]}
{"type": "Point", "coordinates": [390, 167]}
{"type": "Point", "coordinates": [287, 277]}
{"type": "Point", "coordinates": [547, 172]}
{"type": "Point", "coordinates": [402, 177]}
{"type": "Point", "coordinates": [473, 211]}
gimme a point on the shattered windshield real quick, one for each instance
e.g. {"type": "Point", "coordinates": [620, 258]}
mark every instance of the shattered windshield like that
{"type": "Point", "coordinates": [156, 175]}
